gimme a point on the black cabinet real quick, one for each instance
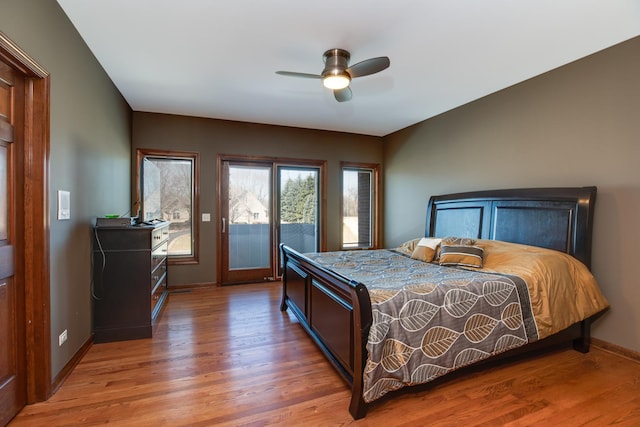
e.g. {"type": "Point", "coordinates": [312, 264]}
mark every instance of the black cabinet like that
{"type": "Point", "coordinates": [129, 280]}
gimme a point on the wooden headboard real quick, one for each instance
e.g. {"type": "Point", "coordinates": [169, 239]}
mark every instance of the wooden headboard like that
{"type": "Point", "coordinates": [555, 218]}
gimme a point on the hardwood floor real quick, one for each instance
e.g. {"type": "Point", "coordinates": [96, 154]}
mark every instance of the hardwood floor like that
{"type": "Point", "coordinates": [228, 356]}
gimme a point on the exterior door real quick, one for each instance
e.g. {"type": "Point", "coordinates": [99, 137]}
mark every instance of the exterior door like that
{"type": "Point", "coordinates": [246, 218]}
{"type": "Point", "coordinates": [264, 202]}
{"type": "Point", "coordinates": [13, 394]}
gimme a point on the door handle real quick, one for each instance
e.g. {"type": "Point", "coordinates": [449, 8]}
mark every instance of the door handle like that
{"type": "Point", "coordinates": [224, 222]}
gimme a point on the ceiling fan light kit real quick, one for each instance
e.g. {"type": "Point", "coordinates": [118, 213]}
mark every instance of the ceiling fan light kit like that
{"type": "Point", "coordinates": [336, 81]}
{"type": "Point", "coordinates": [337, 74]}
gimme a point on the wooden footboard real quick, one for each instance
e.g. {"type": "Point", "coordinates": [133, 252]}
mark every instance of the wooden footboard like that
{"type": "Point", "coordinates": [336, 312]}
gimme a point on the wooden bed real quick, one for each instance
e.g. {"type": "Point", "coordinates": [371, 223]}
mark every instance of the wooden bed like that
{"type": "Point", "coordinates": [337, 312]}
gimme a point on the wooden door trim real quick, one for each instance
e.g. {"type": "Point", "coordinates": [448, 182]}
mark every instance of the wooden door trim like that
{"type": "Point", "coordinates": [15, 56]}
{"type": "Point", "coordinates": [36, 218]}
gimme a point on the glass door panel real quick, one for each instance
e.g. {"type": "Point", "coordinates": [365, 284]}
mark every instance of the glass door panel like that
{"type": "Point", "coordinates": [298, 208]}
{"type": "Point", "coordinates": [246, 223]}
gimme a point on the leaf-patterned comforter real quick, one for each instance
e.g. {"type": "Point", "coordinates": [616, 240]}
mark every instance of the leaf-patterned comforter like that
{"type": "Point", "coordinates": [429, 320]}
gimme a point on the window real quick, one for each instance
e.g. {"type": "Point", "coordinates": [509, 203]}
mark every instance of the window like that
{"type": "Point", "coordinates": [359, 205]}
{"type": "Point", "coordinates": [167, 190]}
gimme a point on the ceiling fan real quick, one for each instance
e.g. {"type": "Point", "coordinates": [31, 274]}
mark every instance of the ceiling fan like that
{"type": "Point", "coordinates": [337, 74]}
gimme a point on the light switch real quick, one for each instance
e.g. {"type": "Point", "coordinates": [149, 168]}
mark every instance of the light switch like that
{"type": "Point", "coordinates": [206, 217]}
{"type": "Point", "coordinates": [64, 204]}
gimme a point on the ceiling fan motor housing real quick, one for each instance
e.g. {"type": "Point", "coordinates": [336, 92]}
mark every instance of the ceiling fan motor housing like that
{"type": "Point", "coordinates": [336, 61]}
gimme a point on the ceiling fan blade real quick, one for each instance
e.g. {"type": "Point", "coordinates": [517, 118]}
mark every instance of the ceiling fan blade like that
{"type": "Point", "coordinates": [294, 74]}
{"type": "Point", "coordinates": [342, 95]}
{"type": "Point", "coordinates": [368, 66]}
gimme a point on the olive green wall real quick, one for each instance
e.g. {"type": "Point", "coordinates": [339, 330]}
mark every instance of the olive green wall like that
{"type": "Point", "coordinates": [212, 137]}
{"type": "Point", "coordinates": [90, 157]}
{"type": "Point", "coordinates": [577, 125]}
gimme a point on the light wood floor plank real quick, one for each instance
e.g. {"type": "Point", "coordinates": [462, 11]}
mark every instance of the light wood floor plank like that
{"type": "Point", "coordinates": [228, 356]}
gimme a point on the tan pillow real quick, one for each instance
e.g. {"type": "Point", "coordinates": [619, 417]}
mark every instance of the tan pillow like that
{"type": "Point", "coordinates": [425, 250]}
{"type": "Point", "coordinates": [408, 246]}
{"type": "Point", "coordinates": [450, 240]}
{"type": "Point", "coordinates": [461, 255]}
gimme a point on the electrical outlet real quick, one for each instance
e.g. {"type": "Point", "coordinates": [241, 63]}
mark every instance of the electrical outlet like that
{"type": "Point", "coordinates": [62, 338]}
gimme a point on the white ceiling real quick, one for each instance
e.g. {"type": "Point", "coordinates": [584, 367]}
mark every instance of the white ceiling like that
{"type": "Point", "coordinates": [217, 59]}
